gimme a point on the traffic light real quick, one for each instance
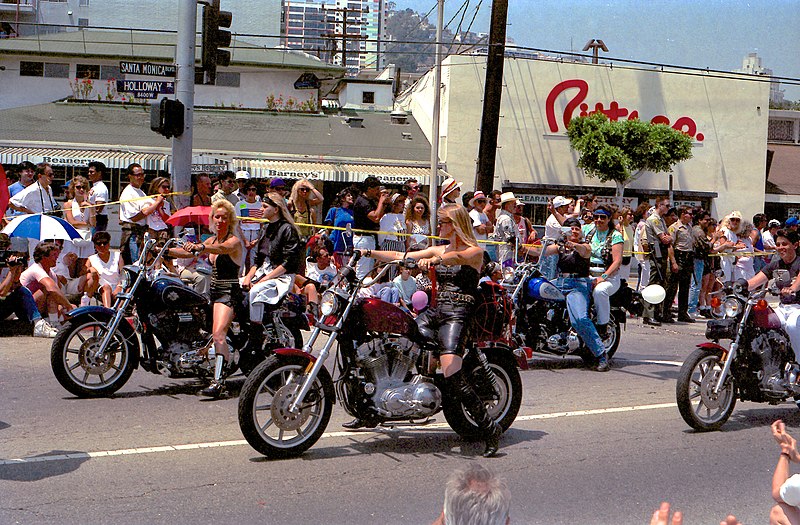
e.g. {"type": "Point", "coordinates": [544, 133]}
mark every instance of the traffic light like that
{"type": "Point", "coordinates": [214, 38]}
{"type": "Point", "coordinates": [166, 117]}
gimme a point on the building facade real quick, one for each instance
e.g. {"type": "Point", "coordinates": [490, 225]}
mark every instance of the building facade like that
{"type": "Point", "coordinates": [726, 116]}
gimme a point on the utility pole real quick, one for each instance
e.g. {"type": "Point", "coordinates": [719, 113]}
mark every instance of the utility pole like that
{"type": "Point", "coordinates": [492, 96]}
{"type": "Point", "coordinates": [344, 35]}
{"type": "Point", "coordinates": [433, 188]}
{"type": "Point", "coordinates": [184, 93]}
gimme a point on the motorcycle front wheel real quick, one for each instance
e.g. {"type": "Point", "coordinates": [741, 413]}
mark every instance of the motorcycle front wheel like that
{"type": "Point", "coordinates": [699, 406]}
{"type": "Point", "coordinates": [76, 366]}
{"type": "Point", "coordinates": [503, 410]}
{"type": "Point", "coordinates": [264, 416]}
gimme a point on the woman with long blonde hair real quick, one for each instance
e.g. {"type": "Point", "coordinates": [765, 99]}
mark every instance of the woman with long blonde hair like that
{"type": "Point", "coordinates": [444, 324]}
{"type": "Point", "coordinates": [225, 254]}
{"type": "Point", "coordinates": [279, 253]}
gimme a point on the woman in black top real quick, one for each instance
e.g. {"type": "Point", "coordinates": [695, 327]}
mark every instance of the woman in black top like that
{"type": "Point", "coordinates": [575, 284]}
{"type": "Point", "coordinates": [279, 254]}
{"type": "Point", "coordinates": [225, 250]}
{"type": "Point", "coordinates": [444, 323]}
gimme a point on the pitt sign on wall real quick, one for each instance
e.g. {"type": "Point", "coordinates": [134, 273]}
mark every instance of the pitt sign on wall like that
{"type": "Point", "coordinates": [726, 116]}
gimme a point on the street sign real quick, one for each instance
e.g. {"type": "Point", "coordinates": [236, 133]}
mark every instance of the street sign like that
{"type": "Point", "coordinates": [146, 88]}
{"type": "Point", "coordinates": [147, 69]}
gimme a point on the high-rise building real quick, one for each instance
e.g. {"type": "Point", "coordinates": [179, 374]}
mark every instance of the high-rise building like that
{"type": "Point", "coordinates": [751, 64]}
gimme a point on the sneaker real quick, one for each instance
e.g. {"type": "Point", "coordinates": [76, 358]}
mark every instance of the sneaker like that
{"type": "Point", "coordinates": [42, 328]}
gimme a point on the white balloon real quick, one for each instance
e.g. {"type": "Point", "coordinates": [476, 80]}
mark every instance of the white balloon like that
{"type": "Point", "coordinates": [654, 294]}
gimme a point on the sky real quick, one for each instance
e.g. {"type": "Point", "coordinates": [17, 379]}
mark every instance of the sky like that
{"type": "Point", "coordinates": [716, 34]}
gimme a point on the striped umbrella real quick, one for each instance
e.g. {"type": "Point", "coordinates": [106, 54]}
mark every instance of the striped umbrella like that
{"type": "Point", "coordinates": [41, 227]}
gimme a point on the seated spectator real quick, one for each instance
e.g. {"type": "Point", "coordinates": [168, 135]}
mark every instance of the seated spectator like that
{"type": "Point", "coordinates": [105, 269]}
{"type": "Point", "coordinates": [406, 286]}
{"type": "Point", "coordinates": [785, 489]}
{"type": "Point", "coordinates": [17, 299]}
{"type": "Point", "coordinates": [475, 496]}
{"type": "Point", "coordinates": [42, 281]}
{"type": "Point", "coordinates": [71, 272]}
{"type": "Point", "coordinates": [319, 272]}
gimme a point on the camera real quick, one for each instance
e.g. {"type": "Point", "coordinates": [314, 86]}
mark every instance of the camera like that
{"type": "Point", "coordinates": [10, 258]}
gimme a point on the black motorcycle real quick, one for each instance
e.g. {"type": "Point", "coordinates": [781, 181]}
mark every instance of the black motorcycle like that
{"type": "Point", "coordinates": [163, 325]}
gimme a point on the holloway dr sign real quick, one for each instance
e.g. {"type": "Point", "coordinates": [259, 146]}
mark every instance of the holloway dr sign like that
{"type": "Point", "coordinates": [146, 88]}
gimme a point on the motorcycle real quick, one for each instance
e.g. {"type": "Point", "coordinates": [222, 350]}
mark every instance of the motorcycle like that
{"type": "Point", "coordinates": [383, 374]}
{"type": "Point", "coordinates": [759, 364]}
{"type": "Point", "coordinates": [160, 323]}
{"type": "Point", "coordinates": [542, 320]}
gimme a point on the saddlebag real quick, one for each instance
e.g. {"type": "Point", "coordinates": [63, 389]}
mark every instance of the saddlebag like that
{"type": "Point", "coordinates": [721, 329]}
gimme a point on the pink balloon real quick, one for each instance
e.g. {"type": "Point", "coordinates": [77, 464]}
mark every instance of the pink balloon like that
{"type": "Point", "coordinates": [419, 300]}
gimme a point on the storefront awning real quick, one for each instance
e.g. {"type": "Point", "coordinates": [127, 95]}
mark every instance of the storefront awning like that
{"type": "Point", "coordinates": [80, 158]}
{"type": "Point", "coordinates": [330, 172]}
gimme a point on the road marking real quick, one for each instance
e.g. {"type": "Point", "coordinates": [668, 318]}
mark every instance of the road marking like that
{"type": "Point", "coordinates": [327, 435]}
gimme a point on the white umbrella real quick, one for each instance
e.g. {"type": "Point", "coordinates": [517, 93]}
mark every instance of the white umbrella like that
{"type": "Point", "coordinates": [41, 227]}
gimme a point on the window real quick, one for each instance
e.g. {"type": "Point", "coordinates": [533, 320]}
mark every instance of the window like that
{"type": "Point", "coordinates": [56, 70]}
{"type": "Point", "coordinates": [83, 22]}
{"type": "Point", "coordinates": [368, 97]}
{"type": "Point", "coordinates": [31, 69]}
{"type": "Point", "coordinates": [87, 71]}
{"type": "Point", "coordinates": [109, 72]}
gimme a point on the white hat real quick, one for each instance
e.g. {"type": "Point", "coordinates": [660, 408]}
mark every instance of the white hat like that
{"type": "Point", "coordinates": [561, 201]}
{"type": "Point", "coordinates": [507, 197]}
{"type": "Point", "coordinates": [242, 175]}
{"type": "Point", "coordinates": [449, 186]}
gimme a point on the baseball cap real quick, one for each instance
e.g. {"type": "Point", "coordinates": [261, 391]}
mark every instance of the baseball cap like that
{"type": "Point", "coordinates": [277, 182]}
{"type": "Point", "coordinates": [242, 175]}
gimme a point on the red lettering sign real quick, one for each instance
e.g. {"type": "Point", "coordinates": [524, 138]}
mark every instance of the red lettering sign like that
{"type": "Point", "coordinates": [613, 112]}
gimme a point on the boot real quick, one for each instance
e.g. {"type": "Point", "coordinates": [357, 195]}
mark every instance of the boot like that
{"type": "Point", "coordinates": [217, 386]}
{"type": "Point", "coordinates": [464, 393]}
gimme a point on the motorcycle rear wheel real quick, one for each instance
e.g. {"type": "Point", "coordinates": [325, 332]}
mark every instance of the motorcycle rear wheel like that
{"type": "Point", "coordinates": [699, 406]}
{"type": "Point", "coordinates": [504, 410]}
{"type": "Point", "coordinates": [264, 418]}
{"type": "Point", "coordinates": [75, 367]}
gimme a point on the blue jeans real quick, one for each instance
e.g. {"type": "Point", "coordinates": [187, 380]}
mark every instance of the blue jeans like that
{"type": "Point", "coordinates": [697, 283]}
{"type": "Point", "coordinates": [578, 290]}
{"type": "Point", "coordinates": [20, 302]}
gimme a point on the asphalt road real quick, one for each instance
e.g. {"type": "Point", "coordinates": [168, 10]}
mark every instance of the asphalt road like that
{"type": "Point", "coordinates": [587, 448]}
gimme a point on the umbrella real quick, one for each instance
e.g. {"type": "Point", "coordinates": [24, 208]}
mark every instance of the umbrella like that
{"type": "Point", "coordinates": [38, 226]}
{"type": "Point", "coordinates": [190, 215]}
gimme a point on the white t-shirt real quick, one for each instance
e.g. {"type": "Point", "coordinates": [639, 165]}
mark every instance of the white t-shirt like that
{"type": "Point", "coordinates": [323, 277]}
{"type": "Point", "coordinates": [479, 218]}
{"type": "Point", "coordinates": [154, 220]}
{"type": "Point", "coordinates": [35, 198]}
{"type": "Point", "coordinates": [98, 195]}
{"type": "Point", "coordinates": [134, 204]}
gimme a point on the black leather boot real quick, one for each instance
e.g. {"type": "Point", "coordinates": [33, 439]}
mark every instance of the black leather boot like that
{"type": "Point", "coordinates": [463, 392]}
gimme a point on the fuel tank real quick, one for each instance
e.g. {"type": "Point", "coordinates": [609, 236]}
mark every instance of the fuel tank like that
{"type": "Point", "coordinates": [379, 316]}
{"type": "Point", "coordinates": [176, 295]}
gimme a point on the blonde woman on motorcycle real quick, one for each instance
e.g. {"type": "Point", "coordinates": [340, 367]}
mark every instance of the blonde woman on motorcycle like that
{"type": "Point", "coordinates": [445, 322]}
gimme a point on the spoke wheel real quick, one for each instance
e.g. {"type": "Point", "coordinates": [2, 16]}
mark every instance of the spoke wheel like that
{"type": "Point", "coordinates": [77, 366]}
{"type": "Point", "coordinates": [264, 416]}
{"type": "Point", "coordinates": [503, 409]}
{"type": "Point", "coordinates": [699, 406]}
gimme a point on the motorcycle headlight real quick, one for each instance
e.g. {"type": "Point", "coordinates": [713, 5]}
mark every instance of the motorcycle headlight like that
{"type": "Point", "coordinates": [328, 304]}
{"type": "Point", "coordinates": [732, 307]}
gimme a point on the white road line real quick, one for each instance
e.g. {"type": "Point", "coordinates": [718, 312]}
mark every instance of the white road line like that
{"type": "Point", "coordinates": [327, 435]}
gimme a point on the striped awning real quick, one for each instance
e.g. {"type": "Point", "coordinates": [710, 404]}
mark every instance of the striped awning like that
{"type": "Point", "coordinates": [73, 157]}
{"type": "Point", "coordinates": [331, 172]}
